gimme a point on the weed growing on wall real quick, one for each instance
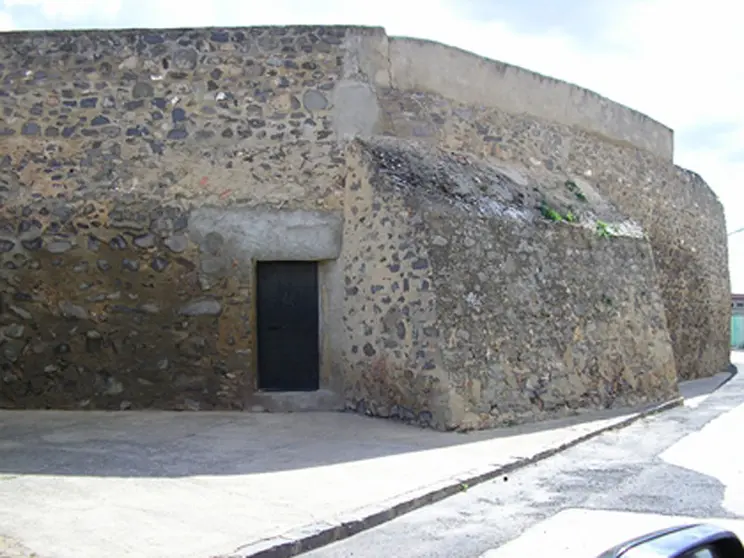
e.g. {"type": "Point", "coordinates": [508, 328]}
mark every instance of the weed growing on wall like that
{"type": "Point", "coordinates": [549, 213]}
{"type": "Point", "coordinates": [554, 215]}
{"type": "Point", "coordinates": [603, 230]}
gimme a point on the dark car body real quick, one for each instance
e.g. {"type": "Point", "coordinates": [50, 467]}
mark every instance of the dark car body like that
{"type": "Point", "coordinates": [682, 541]}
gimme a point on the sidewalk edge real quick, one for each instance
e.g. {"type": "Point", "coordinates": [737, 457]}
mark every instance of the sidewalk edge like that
{"type": "Point", "coordinates": [314, 536]}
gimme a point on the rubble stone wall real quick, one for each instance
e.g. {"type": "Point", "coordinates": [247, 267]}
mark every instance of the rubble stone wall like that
{"type": "Point", "coordinates": [143, 173]}
{"type": "Point", "coordinates": [485, 313]}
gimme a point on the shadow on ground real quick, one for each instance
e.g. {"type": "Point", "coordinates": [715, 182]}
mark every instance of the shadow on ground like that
{"type": "Point", "coordinates": [168, 444]}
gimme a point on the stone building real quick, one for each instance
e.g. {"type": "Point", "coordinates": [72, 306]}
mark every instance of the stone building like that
{"type": "Point", "coordinates": [303, 217]}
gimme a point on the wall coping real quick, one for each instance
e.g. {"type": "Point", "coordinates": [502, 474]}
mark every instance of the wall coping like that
{"type": "Point", "coordinates": [460, 75]}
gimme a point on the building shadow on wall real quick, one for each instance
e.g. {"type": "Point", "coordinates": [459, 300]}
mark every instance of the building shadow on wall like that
{"type": "Point", "coordinates": [171, 444]}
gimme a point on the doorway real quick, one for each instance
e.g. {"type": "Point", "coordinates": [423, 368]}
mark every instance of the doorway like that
{"type": "Point", "coordinates": [287, 317]}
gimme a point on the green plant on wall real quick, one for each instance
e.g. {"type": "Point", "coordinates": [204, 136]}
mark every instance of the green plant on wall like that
{"type": "Point", "coordinates": [603, 230]}
{"type": "Point", "coordinates": [554, 215]}
{"type": "Point", "coordinates": [549, 213]}
{"type": "Point", "coordinates": [575, 190]}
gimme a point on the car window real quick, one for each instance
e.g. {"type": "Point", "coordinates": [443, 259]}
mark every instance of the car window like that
{"type": "Point", "coordinates": [704, 552]}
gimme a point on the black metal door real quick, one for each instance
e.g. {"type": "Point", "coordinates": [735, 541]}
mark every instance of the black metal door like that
{"type": "Point", "coordinates": [287, 316]}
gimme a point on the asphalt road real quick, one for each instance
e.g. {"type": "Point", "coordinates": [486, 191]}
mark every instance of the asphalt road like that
{"type": "Point", "coordinates": [686, 464]}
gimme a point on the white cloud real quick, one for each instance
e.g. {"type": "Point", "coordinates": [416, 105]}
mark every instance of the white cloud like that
{"type": "Point", "coordinates": [6, 22]}
{"type": "Point", "coordinates": [665, 58]}
{"type": "Point", "coordinates": [67, 11]}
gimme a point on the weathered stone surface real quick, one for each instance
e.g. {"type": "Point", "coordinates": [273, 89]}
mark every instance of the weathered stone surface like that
{"type": "Point", "coordinates": [515, 316]}
{"type": "Point", "coordinates": [70, 310]}
{"type": "Point", "coordinates": [115, 147]}
{"type": "Point", "coordinates": [207, 307]}
{"type": "Point", "coordinates": [681, 215]}
{"type": "Point", "coordinates": [314, 100]}
{"type": "Point", "coordinates": [143, 171]}
{"type": "Point", "coordinates": [177, 243]}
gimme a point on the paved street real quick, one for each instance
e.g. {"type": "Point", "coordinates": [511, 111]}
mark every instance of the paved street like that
{"type": "Point", "coordinates": [192, 485]}
{"type": "Point", "coordinates": [683, 465]}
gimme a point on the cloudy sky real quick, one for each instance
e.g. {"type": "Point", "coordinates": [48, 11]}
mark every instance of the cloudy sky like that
{"type": "Point", "coordinates": [676, 60]}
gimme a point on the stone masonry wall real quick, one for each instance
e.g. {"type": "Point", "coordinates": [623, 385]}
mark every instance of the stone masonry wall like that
{"type": "Point", "coordinates": [545, 321]}
{"type": "Point", "coordinates": [392, 363]}
{"type": "Point", "coordinates": [114, 293]}
{"type": "Point", "coordinates": [686, 226]}
{"type": "Point", "coordinates": [691, 235]}
{"type": "Point", "coordinates": [143, 173]}
{"type": "Point", "coordinates": [487, 310]}
{"type": "Point", "coordinates": [682, 216]}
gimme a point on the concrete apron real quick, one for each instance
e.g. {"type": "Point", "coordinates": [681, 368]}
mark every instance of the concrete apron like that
{"type": "Point", "coordinates": [198, 485]}
{"type": "Point", "coordinates": [318, 534]}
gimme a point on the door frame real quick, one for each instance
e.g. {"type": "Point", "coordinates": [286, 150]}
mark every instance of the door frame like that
{"type": "Point", "coordinates": [320, 273]}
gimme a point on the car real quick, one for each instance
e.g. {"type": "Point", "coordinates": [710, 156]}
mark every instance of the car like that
{"type": "Point", "coordinates": [700, 540]}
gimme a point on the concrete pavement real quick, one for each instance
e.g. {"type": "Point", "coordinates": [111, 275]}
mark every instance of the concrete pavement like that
{"type": "Point", "coordinates": [686, 464]}
{"type": "Point", "coordinates": [194, 485]}
{"type": "Point", "coordinates": [699, 478]}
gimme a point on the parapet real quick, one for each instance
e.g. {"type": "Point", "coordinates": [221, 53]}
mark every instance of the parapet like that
{"type": "Point", "coordinates": [420, 65]}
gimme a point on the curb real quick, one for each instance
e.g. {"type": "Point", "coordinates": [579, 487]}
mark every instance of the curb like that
{"type": "Point", "coordinates": [314, 536]}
